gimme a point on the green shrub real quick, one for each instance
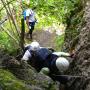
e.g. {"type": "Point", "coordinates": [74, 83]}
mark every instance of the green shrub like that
{"type": "Point", "coordinates": [7, 43]}
{"type": "Point", "coordinates": [59, 42]}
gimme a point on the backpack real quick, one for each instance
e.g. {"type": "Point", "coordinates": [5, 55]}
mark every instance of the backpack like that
{"type": "Point", "coordinates": [24, 14]}
{"type": "Point", "coordinates": [43, 54]}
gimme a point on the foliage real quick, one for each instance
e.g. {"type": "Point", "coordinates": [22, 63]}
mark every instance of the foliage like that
{"type": "Point", "coordinates": [48, 12]}
{"type": "Point", "coordinates": [7, 43]}
{"type": "Point", "coordinates": [73, 28]}
{"type": "Point", "coordinates": [52, 11]}
{"type": "Point", "coordinates": [10, 36]}
{"type": "Point", "coordinates": [59, 42]}
{"type": "Point", "coordinates": [9, 82]}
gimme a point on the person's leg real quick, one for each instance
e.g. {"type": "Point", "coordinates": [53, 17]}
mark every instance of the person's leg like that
{"type": "Point", "coordinates": [30, 30]}
{"type": "Point", "coordinates": [61, 79]}
{"type": "Point", "coordinates": [32, 24]}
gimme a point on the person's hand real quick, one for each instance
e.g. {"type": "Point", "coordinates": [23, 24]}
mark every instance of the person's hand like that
{"type": "Point", "coordinates": [51, 49]}
{"type": "Point", "coordinates": [29, 27]}
{"type": "Point", "coordinates": [72, 55]}
{"type": "Point", "coordinates": [23, 61]}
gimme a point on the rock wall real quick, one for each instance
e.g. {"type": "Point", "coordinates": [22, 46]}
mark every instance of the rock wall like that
{"type": "Point", "coordinates": [74, 25]}
{"type": "Point", "coordinates": [81, 64]}
{"type": "Point", "coordinates": [29, 79]}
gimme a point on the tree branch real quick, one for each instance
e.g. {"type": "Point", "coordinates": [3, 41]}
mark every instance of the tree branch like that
{"type": "Point", "coordinates": [7, 32]}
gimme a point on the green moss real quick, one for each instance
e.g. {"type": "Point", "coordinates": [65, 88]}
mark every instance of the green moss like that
{"type": "Point", "coordinates": [9, 82]}
{"type": "Point", "coordinates": [73, 30]}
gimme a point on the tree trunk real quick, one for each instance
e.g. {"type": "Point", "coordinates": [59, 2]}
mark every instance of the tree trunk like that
{"type": "Point", "coordinates": [22, 33]}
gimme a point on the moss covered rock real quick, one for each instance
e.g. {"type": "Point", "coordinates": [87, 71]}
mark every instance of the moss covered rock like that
{"type": "Point", "coordinates": [9, 82]}
{"type": "Point", "coordinates": [24, 72]}
{"type": "Point", "coordinates": [81, 63]}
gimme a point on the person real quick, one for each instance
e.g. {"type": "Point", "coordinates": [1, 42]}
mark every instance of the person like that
{"type": "Point", "coordinates": [28, 48]}
{"type": "Point", "coordinates": [47, 62]}
{"type": "Point", "coordinates": [30, 20]}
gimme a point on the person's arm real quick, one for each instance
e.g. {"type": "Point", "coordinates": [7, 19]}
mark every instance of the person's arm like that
{"type": "Point", "coordinates": [51, 49]}
{"type": "Point", "coordinates": [27, 21]}
{"type": "Point", "coordinates": [26, 56]}
{"type": "Point", "coordinates": [61, 53]}
{"type": "Point", "coordinates": [26, 47]}
{"type": "Point", "coordinates": [27, 16]}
